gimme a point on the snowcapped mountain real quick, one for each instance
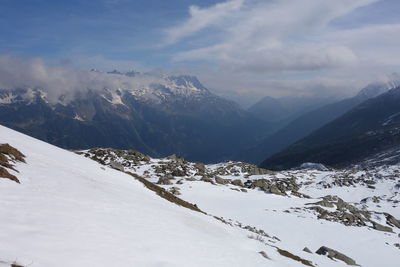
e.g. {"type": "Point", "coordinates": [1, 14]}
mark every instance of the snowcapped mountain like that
{"type": "Point", "coordinates": [69, 210]}
{"type": "Point", "coordinates": [158, 115]}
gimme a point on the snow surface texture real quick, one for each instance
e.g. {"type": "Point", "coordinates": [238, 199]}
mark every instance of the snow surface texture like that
{"type": "Point", "coordinates": [72, 211]}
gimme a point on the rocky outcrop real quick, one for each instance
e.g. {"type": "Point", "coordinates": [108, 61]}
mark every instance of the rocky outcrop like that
{"type": "Point", "coordinates": [116, 165]}
{"type": "Point", "coordinates": [333, 254]}
{"type": "Point", "coordinates": [381, 227]}
{"type": "Point", "coordinates": [8, 156]}
{"type": "Point", "coordinates": [165, 180]}
{"type": "Point", "coordinates": [274, 186]}
{"type": "Point", "coordinates": [222, 181]}
{"type": "Point", "coordinates": [349, 215]}
{"type": "Point", "coordinates": [392, 220]}
{"type": "Point", "coordinates": [345, 213]}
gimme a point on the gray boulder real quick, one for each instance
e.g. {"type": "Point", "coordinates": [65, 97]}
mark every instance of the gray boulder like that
{"type": "Point", "coordinates": [117, 166]}
{"type": "Point", "coordinates": [381, 227]}
{"type": "Point", "coordinates": [333, 254]}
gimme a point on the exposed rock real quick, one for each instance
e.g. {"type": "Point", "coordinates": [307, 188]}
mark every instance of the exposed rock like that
{"type": "Point", "coordinates": [392, 220]}
{"type": "Point", "coordinates": [306, 249]}
{"type": "Point", "coordinates": [286, 253]}
{"type": "Point", "coordinates": [381, 227]}
{"type": "Point", "coordinates": [117, 166]}
{"type": "Point", "coordinates": [274, 186]}
{"type": "Point", "coordinates": [259, 171]}
{"type": "Point", "coordinates": [207, 179]}
{"type": "Point", "coordinates": [178, 172]}
{"type": "Point", "coordinates": [175, 191]}
{"type": "Point", "coordinates": [200, 167]}
{"type": "Point", "coordinates": [165, 180]}
{"type": "Point", "coordinates": [237, 182]}
{"type": "Point", "coordinates": [220, 180]}
{"type": "Point", "coordinates": [301, 195]}
{"type": "Point", "coordinates": [345, 213]}
{"type": "Point", "coordinates": [333, 254]}
{"type": "Point", "coordinates": [9, 155]}
{"type": "Point", "coordinates": [264, 254]}
{"type": "Point", "coordinates": [173, 157]}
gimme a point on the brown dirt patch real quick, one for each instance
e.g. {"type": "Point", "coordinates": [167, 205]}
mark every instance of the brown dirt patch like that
{"type": "Point", "coordinates": [286, 253]}
{"type": "Point", "coordinates": [165, 194]}
{"type": "Point", "coordinates": [9, 155]}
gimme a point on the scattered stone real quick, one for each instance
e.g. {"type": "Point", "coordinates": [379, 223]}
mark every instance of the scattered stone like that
{"type": "Point", "coordinates": [274, 186]}
{"type": "Point", "coordinates": [175, 191]}
{"type": "Point", "coordinates": [381, 227]}
{"type": "Point", "coordinates": [345, 213]}
{"type": "Point", "coordinates": [165, 180]}
{"type": "Point", "coordinates": [237, 182]}
{"type": "Point", "coordinates": [286, 253]}
{"type": "Point", "coordinates": [9, 155]}
{"type": "Point", "coordinates": [306, 249]}
{"type": "Point", "coordinates": [264, 254]}
{"type": "Point", "coordinates": [392, 220]}
{"type": "Point", "coordinates": [207, 179]}
{"type": "Point", "coordinates": [200, 167]}
{"type": "Point", "coordinates": [333, 254]}
{"type": "Point", "coordinates": [117, 166]}
{"type": "Point", "coordinates": [222, 181]}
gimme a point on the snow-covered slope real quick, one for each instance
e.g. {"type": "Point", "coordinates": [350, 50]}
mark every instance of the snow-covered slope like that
{"type": "Point", "coordinates": [352, 211]}
{"type": "Point", "coordinates": [70, 211]}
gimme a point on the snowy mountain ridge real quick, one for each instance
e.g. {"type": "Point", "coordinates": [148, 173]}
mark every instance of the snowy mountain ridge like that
{"type": "Point", "coordinates": [144, 87]}
{"type": "Point", "coordinates": [158, 115]}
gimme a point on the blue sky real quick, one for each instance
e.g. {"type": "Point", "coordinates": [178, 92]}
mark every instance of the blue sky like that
{"type": "Point", "coordinates": [260, 47]}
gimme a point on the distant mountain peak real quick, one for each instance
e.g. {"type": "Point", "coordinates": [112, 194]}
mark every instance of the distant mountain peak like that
{"type": "Point", "coordinates": [379, 87]}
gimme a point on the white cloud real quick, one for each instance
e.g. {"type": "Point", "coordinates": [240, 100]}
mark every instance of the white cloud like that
{"type": "Point", "coordinates": [57, 80]}
{"type": "Point", "coordinates": [284, 37]}
{"type": "Point", "coordinates": [201, 18]}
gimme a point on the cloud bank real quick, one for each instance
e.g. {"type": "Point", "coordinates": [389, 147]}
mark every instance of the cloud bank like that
{"type": "Point", "coordinates": [276, 40]}
{"type": "Point", "coordinates": [61, 80]}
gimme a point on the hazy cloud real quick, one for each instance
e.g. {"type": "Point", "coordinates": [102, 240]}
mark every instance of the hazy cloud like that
{"type": "Point", "coordinates": [57, 80]}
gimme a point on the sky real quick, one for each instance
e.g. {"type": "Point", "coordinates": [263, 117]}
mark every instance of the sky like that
{"type": "Point", "coordinates": [239, 48]}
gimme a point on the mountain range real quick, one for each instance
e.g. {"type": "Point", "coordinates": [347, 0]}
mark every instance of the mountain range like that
{"type": "Point", "coordinates": [169, 115]}
{"type": "Point", "coordinates": [310, 122]}
{"type": "Point", "coordinates": [371, 127]}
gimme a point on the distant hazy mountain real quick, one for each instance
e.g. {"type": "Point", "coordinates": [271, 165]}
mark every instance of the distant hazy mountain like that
{"type": "Point", "coordinates": [173, 115]}
{"type": "Point", "coordinates": [309, 122]}
{"type": "Point", "coordinates": [370, 128]}
{"type": "Point", "coordinates": [280, 111]}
